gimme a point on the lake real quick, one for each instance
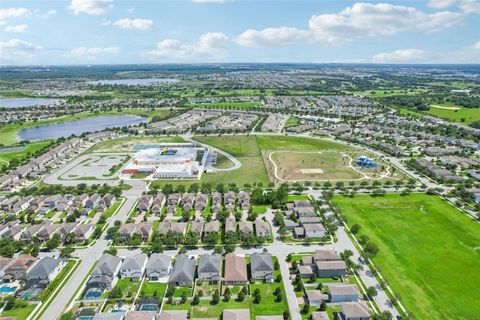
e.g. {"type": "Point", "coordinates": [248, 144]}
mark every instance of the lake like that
{"type": "Point", "coordinates": [133, 82]}
{"type": "Point", "coordinates": [77, 127]}
{"type": "Point", "coordinates": [26, 102]}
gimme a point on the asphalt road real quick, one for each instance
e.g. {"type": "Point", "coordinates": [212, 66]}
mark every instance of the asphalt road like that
{"type": "Point", "coordinates": [91, 254]}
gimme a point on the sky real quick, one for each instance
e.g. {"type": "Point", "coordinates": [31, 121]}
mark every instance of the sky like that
{"type": "Point", "coordinates": [42, 32]}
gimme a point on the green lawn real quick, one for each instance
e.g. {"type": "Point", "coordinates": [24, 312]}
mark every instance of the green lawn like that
{"type": "Point", "coordinates": [20, 313]}
{"type": "Point", "coordinates": [207, 310]}
{"type": "Point", "coordinates": [149, 289]}
{"type": "Point", "coordinates": [293, 197]}
{"type": "Point", "coordinates": [238, 146]}
{"type": "Point", "coordinates": [268, 305]}
{"type": "Point", "coordinates": [296, 143]}
{"type": "Point", "coordinates": [469, 115]}
{"type": "Point", "coordinates": [429, 251]}
{"type": "Point", "coordinates": [25, 152]}
{"type": "Point", "coordinates": [129, 287]}
{"type": "Point", "coordinates": [292, 122]}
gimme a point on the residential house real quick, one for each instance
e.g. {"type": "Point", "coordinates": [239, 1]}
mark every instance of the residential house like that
{"type": "Point", "coordinates": [320, 315]}
{"type": "Point", "coordinates": [235, 270]}
{"type": "Point", "coordinates": [80, 200]}
{"type": "Point", "coordinates": [93, 201]}
{"type": "Point", "coordinates": [109, 199]}
{"type": "Point", "coordinates": [19, 267]}
{"type": "Point", "coordinates": [44, 271]}
{"type": "Point", "coordinates": [173, 315]}
{"type": "Point", "coordinates": [134, 267]}
{"type": "Point", "coordinates": [230, 225]}
{"type": "Point", "coordinates": [83, 232]}
{"type": "Point", "coordinates": [236, 314]}
{"type": "Point", "coordinates": [343, 293]}
{"type": "Point", "coordinates": [183, 273]}
{"type": "Point", "coordinates": [109, 316]}
{"type": "Point", "coordinates": [158, 266]}
{"type": "Point", "coordinates": [197, 227]}
{"type": "Point", "coordinates": [261, 265]}
{"type": "Point", "coordinates": [47, 231]}
{"type": "Point", "coordinates": [105, 272]}
{"type": "Point", "coordinates": [212, 226]}
{"type": "Point", "coordinates": [315, 297]}
{"type": "Point", "coordinates": [210, 268]}
{"type": "Point", "coordinates": [246, 227]}
{"type": "Point", "coordinates": [52, 201]}
{"type": "Point", "coordinates": [314, 230]}
{"type": "Point", "coordinates": [4, 263]}
{"type": "Point", "coordinates": [328, 269]}
{"type": "Point", "coordinates": [354, 311]}
{"type": "Point", "coordinates": [262, 229]}
{"type": "Point", "coordinates": [141, 315]}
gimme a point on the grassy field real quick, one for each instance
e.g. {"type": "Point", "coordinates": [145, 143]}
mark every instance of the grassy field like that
{"type": "Point", "coordinates": [429, 251]}
{"type": "Point", "coordinates": [389, 92]}
{"type": "Point", "coordinates": [292, 122]}
{"type": "Point", "coordinates": [313, 166]}
{"type": "Point", "coordinates": [448, 112]}
{"type": "Point", "coordinates": [6, 157]}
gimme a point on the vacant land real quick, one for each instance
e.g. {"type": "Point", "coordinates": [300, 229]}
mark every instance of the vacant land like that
{"type": "Point", "coordinates": [429, 251]}
{"type": "Point", "coordinates": [454, 113]}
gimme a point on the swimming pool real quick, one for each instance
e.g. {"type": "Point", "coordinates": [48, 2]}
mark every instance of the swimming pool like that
{"type": "Point", "coordinates": [93, 294]}
{"type": "Point", "coordinates": [149, 307]}
{"type": "Point", "coordinates": [7, 289]}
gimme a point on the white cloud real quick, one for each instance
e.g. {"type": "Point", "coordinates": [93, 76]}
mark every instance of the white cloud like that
{"type": "Point", "coordinates": [17, 51]}
{"type": "Point", "coordinates": [90, 53]}
{"type": "Point", "coordinates": [141, 24]}
{"type": "Point", "coordinates": [401, 55]}
{"type": "Point", "coordinates": [359, 20]}
{"type": "Point", "coordinates": [272, 37]}
{"type": "Point", "coordinates": [382, 19]}
{"type": "Point", "coordinates": [476, 46]}
{"type": "Point", "coordinates": [7, 13]}
{"type": "Point", "coordinates": [48, 14]}
{"type": "Point", "coordinates": [16, 29]}
{"type": "Point", "coordinates": [211, 45]}
{"type": "Point", "coordinates": [95, 7]}
{"type": "Point", "coordinates": [467, 6]}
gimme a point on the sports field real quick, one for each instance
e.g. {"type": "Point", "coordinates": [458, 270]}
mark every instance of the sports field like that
{"type": "Point", "coordinates": [21, 152]}
{"type": "Point", "coordinates": [429, 251]}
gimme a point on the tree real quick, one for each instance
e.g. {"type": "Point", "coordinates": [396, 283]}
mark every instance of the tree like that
{"type": "Point", "coordinates": [211, 238]}
{"type": "Point", "coordinates": [371, 249]}
{"type": "Point", "coordinates": [257, 297]}
{"type": "Point", "coordinates": [241, 296]}
{"type": "Point", "coordinates": [323, 306]}
{"type": "Point", "coordinates": [184, 297]}
{"type": "Point", "coordinates": [371, 291]}
{"type": "Point", "coordinates": [66, 252]}
{"type": "Point", "coordinates": [115, 293]}
{"type": "Point", "coordinates": [306, 308]}
{"type": "Point", "coordinates": [286, 315]}
{"type": "Point", "coordinates": [54, 242]}
{"type": "Point", "coordinates": [196, 300]}
{"type": "Point", "coordinates": [216, 297]}
{"type": "Point", "coordinates": [191, 239]}
{"type": "Point", "coordinates": [355, 228]}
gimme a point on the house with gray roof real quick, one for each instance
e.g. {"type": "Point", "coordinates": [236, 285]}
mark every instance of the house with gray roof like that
{"type": "Point", "coordinates": [261, 265]}
{"type": "Point", "coordinates": [105, 272]}
{"type": "Point", "coordinates": [158, 266]}
{"type": "Point", "coordinates": [183, 273]}
{"type": "Point", "coordinates": [44, 271]}
{"type": "Point", "coordinates": [210, 268]}
{"type": "Point", "coordinates": [109, 316]}
{"type": "Point", "coordinates": [134, 267]}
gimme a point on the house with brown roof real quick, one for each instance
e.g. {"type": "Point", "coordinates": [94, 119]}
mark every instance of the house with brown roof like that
{"type": "Point", "coordinates": [212, 226]}
{"type": "Point", "coordinates": [354, 311]}
{"type": "Point", "coordinates": [235, 270]}
{"type": "Point", "coordinates": [262, 229]}
{"type": "Point", "coordinates": [246, 227]}
{"type": "Point", "coordinates": [236, 314]}
{"type": "Point", "coordinates": [230, 225]}
{"type": "Point", "coordinates": [83, 232]}
{"type": "Point", "coordinates": [20, 266]}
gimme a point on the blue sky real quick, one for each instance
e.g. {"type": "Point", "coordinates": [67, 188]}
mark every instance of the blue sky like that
{"type": "Point", "coordinates": [120, 31]}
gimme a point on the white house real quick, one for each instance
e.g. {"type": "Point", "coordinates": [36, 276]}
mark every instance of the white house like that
{"type": "Point", "coordinates": [134, 267]}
